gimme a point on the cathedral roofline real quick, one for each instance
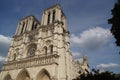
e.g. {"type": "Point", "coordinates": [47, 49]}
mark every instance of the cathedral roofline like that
{"type": "Point", "coordinates": [30, 16]}
{"type": "Point", "coordinates": [53, 6]}
{"type": "Point", "coordinates": [56, 5]}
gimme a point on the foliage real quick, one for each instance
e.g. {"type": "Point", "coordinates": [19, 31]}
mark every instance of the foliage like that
{"type": "Point", "coordinates": [96, 75]}
{"type": "Point", "coordinates": [115, 21]}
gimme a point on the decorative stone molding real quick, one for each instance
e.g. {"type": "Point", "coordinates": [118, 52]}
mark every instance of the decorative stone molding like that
{"type": "Point", "coordinates": [31, 51]}
{"type": "Point", "coordinates": [31, 62]}
{"type": "Point", "coordinates": [18, 38]}
{"type": "Point", "coordinates": [32, 35]}
{"type": "Point", "coordinates": [48, 42]}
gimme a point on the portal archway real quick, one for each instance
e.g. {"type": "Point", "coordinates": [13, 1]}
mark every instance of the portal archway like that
{"type": "Point", "coordinates": [23, 75]}
{"type": "Point", "coordinates": [43, 75]}
{"type": "Point", "coordinates": [7, 77]}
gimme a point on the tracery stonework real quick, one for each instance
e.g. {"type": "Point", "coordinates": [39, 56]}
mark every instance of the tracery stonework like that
{"type": "Point", "coordinates": [41, 50]}
{"type": "Point", "coordinates": [31, 51]}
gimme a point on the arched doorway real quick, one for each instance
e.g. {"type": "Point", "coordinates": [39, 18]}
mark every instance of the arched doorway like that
{"type": "Point", "coordinates": [7, 77]}
{"type": "Point", "coordinates": [43, 75]}
{"type": "Point", "coordinates": [23, 75]}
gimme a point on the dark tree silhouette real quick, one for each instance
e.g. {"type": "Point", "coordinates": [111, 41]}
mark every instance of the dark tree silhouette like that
{"type": "Point", "coordinates": [96, 75]}
{"type": "Point", "coordinates": [115, 21]}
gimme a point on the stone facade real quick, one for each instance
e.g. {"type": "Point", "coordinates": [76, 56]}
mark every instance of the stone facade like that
{"type": "Point", "coordinates": [41, 51]}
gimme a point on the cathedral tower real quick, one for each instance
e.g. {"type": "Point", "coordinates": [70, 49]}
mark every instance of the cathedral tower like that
{"type": "Point", "coordinates": [40, 51]}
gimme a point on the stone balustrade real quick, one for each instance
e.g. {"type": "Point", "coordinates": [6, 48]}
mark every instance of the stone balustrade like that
{"type": "Point", "coordinates": [31, 61]}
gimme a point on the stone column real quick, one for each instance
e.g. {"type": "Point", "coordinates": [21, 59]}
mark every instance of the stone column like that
{"type": "Point", "coordinates": [43, 17]}
{"type": "Point", "coordinates": [30, 22]}
{"type": "Point", "coordinates": [17, 30]}
{"type": "Point", "coordinates": [58, 14]}
{"type": "Point", "coordinates": [25, 26]}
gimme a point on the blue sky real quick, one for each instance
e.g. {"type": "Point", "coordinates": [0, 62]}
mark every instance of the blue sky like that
{"type": "Point", "coordinates": [86, 20]}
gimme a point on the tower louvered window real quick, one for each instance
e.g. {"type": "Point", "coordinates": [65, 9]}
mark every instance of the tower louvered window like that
{"type": "Point", "coordinates": [53, 18]}
{"type": "Point", "coordinates": [22, 28]}
{"type": "Point", "coordinates": [32, 26]}
{"type": "Point", "coordinates": [48, 21]}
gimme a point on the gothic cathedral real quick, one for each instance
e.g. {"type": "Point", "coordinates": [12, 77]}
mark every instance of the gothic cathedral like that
{"type": "Point", "coordinates": [41, 50]}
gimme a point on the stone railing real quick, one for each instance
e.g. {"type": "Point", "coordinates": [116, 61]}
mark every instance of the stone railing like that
{"type": "Point", "coordinates": [31, 61]}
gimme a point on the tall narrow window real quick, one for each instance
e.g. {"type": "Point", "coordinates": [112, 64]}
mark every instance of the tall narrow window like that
{"type": "Point", "coordinates": [14, 56]}
{"type": "Point", "coordinates": [53, 17]}
{"type": "Point", "coordinates": [51, 49]}
{"type": "Point", "coordinates": [48, 22]}
{"type": "Point", "coordinates": [22, 28]}
{"type": "Point", "coordinates": [35, 26]}
{"type": "Point", "coordinates": [45, 50]}
{"type": "Point", "coordinates": [26, 25]}
{"type": "Point", "coordinates": [32, 26]}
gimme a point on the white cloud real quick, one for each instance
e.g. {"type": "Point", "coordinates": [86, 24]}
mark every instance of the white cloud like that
{"type": "Point", "coordinates": [4, 39]}
{"type": "Point", "coordinates": [110, 65]}
{"type": "Point", "coordinates": [2, 59]}
{"type": "Point", "coordinates": [92, 39]}
{"type": "Point", "coordinates": [4, 45]}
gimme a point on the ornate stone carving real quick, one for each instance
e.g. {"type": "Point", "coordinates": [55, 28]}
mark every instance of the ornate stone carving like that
{"type": "Point", "coordinates": [48, 42]}
{"type": "Point", "coordinates": [31, 37]}
{"type": "Point", "coordinates": [18, 38]}
{"type": "Point", "coordinates": [32, 61]}
{"type": "Point", "coordinates": [31, 51]}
